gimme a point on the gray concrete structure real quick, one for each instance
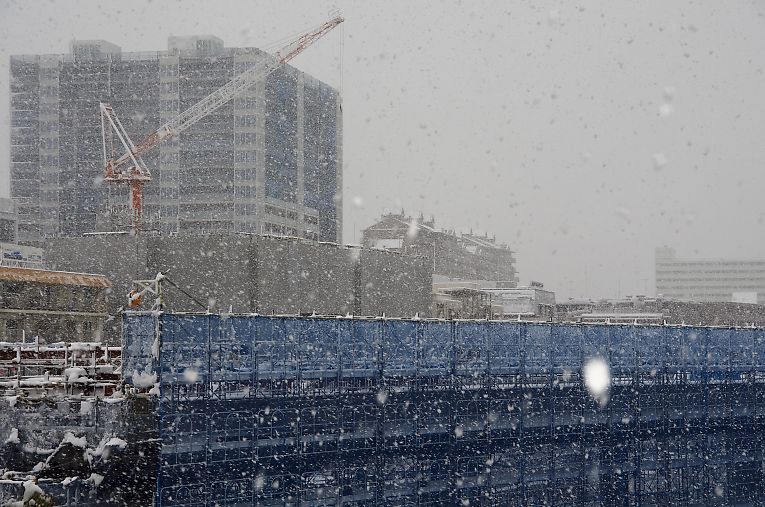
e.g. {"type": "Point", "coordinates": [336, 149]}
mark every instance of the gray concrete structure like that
{"type": "Point", "coordinates": [251, 273]}
{"type": "Point", "coordinates": [393, 284]}
{"type": "Point", "coordinates": [268, 161]}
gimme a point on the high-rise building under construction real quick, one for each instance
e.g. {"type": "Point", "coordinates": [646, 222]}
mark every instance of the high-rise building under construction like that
{"type": "Point", "coordinates": [268, 161]}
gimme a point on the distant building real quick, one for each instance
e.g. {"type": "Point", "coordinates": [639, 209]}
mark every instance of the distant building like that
{"type": "Point", "coordinates": [8, 221]}
{"type": "Point", "coordinates": [462, 300]}
{"type": "Point", "coordinates": [643, 310]}
{"type": "Point", "coordinates": [267, 161]}
{"type": "Point", "coordinates": [722, 280]}
{"type": "Point", "coordinates": [466, 257]}
{"type": "Point", "coordinates": [471, 300]}
{"type": "Point", "coordinates": [530, 303]}
{"type": "Point", "coordinates": [51, 306]}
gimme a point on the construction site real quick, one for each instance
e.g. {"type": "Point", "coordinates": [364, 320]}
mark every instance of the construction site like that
{"type": "Point", "coordinates": [254, 410]}
{"type": "Point", "coordinates": [280, 367]}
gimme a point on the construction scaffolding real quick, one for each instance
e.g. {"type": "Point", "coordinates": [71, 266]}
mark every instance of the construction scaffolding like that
{"type": "Point", "coordinates": [256, 410]}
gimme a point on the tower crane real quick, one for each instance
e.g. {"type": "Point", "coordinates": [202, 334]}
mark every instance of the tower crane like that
{"type": "Point", "coordinates": [130, 168]}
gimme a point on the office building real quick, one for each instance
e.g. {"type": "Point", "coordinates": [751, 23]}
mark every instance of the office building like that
{"type": "Point", "coordinates": [718, 280]}
{"type": "Point", "coordinates": [269, 161]}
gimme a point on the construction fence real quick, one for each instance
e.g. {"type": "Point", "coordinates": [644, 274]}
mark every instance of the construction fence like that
{"type": "Point", "coordinates": [256, 410]}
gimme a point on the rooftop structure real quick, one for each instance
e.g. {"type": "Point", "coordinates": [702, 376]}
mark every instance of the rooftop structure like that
{"type": "Point", "coordinates": [462, 300]}
{"type": "Point", "coordinates": [269, 161]}
{"type": "Point", "coordinates": [709, 280]}
{"type": "Point", "coordinates": [466, 257]}
{"type": "Point", "coordinates": [532, 302]}
{"type": "Point", "coordinates": [45, 306]}
{"type": "Point", "coordinates": [253, 273]}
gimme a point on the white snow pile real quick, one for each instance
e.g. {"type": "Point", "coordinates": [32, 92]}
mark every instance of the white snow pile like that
{"type": "Point", "coordinates": [30, 490]}
{"type": "Point", "coordinates": [86, 407]}
{"type": "Point", "coordinates": [104, 449]}
{"type": "Point", "coordinates": [76, 374]}
{"type": "Point", "coordinates": [69, 438]}
{"type": "Point", "coordinates": [116, 442]}
{"type": "Point", "coordinates": [95, 479]}
{"type": "Point", "coordinates": [11, 400]}
{"type": "Point", "coordinates": [33, 449]}
{"type": "Point", "coordinates": [14, 437]}
{"type": "Point", "coordinates": [144, 379]}
{"type": "Point", "coordinates": [116, 397]}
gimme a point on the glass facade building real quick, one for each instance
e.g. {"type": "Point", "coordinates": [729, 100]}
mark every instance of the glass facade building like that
{"type": "Point", "coordinates": [268, 161]}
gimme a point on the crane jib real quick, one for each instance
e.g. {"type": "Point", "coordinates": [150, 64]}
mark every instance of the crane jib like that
{"type": "Point", "coordinates": [139, 171]}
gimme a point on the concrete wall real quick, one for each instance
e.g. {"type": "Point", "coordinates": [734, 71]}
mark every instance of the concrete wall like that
{"type": "Point", "coordinates": [393, 284]}
{"type": "Point", "coordinates": [246, 273]}
{"type": "Point", "coordinates": [121, 258]}
{"type": "Point", "coordinates": [214, 269]}
{"type": "Point", "coordinates": [300, 277]}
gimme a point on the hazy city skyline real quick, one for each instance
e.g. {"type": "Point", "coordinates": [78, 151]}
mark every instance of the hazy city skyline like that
{"type": "Point", "coordinates": [583, 137]}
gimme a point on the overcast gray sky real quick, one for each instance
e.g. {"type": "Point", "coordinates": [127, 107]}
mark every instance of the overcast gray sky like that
{"type": "Point", "coordinates": [583, 135]}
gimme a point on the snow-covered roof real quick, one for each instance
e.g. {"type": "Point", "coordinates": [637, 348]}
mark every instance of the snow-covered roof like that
{"type": "Point", "coordinates": [45, 276]}
{"type": "Point", "coordinates": [418, 224]}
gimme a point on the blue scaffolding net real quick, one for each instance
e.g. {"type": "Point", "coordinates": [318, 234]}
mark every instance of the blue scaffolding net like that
{"type": "Point", "coordinates": [256, 410]}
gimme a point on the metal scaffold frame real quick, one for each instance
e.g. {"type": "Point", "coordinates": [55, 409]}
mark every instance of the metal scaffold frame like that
{"type": "Point", "coordinates": [257, 410]}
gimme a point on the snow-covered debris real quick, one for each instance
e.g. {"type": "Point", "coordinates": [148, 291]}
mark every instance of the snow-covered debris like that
{"type": "Point", "coordinates": [95, 479]}
{"type": "Point", "coordinates": [86, 407]}
{"type": "Point", "coordinates": [104, 449]}
{"type": "Point", "coordinates": [33, 449]}
{"type": "Point", "coordinates": [30, 489]}
{"type": "Point", "coordinates": [76, 374]}
{"type": "Point", "coordinates": [69, 438]}
{"type": "Point", "coordinates": [13, 438]}
{"type": "Point", "coordinates": [116, 442]}
{"type": "Point", "coordinates": [144, 379]}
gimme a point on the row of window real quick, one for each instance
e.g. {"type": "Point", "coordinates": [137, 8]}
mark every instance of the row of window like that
{"type": "Point", "coordinates": [245, 156]}
{"type": "Point", "coordinates": [281, 230]}
{"type": "Point", "coordinates": [49, 109]}
{"type": "Point", "coordinates": [245, 102]}
{"type": "Point", "coordinates": [168, 70]}
{"type": "Point", "coordinates": [281, 212]}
